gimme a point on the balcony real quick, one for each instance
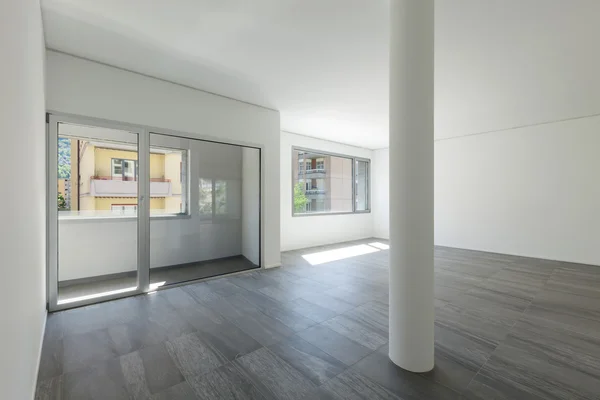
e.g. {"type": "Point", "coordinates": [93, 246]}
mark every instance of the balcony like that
{"type": "Point", "coordinates": [314, 173]}
{"type": "Point", "coordinates": [315, 194]}
{"type": "Point", "coordinates": [106, 186]}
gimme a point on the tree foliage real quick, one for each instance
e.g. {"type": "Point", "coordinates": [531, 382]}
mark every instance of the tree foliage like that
{"type": "Point", "coordinates": [300, 199]}
{"type": "Point", "coordinates": [64, 158]}
{"type": "Point", "coordinates": [62, 203]}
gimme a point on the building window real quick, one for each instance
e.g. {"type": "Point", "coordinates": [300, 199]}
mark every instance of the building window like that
{"type": "Point", "coordinates": [342, 187]}
{"type": "Point", "coordinates": [123, 209]}
{"type": "Point", "coordinates": [123, 169]}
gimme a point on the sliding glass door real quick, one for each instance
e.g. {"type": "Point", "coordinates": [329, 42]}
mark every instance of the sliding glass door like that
{"type": "Point", "coordinates": [199, 225]}
{"type": "Point", "coordinates": [132, 211]}
{"type": "Point", "coordinates": [96, 204]}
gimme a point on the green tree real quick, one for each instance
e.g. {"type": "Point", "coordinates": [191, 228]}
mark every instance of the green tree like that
{"type": "Point", "coordinates": [300, 199]}
{"type": "Point", "coordinates": [62, 203]}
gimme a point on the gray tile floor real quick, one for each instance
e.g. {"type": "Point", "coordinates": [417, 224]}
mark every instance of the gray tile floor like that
{"type": "Point", "coordinates": [506, 328]}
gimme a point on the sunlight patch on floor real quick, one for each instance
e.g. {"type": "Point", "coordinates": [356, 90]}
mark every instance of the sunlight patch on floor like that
{"type": "Point", "coordinates": [338, 254]}
{"type": "Point", "coordinates": [380, 246]}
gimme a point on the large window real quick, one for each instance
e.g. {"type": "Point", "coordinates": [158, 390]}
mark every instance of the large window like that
{"type": "Point", "coordinates": [325, 183]}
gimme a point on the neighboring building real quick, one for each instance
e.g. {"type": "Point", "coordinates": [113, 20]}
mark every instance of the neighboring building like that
{"type": "Point", "coordinates": [104, 179]}
{"type": "Point", "coordinates": [325, 180]}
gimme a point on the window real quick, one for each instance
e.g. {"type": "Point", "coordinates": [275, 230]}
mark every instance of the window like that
{"type": "Point", "coordinates": [342, 187]}
{"type": "Point", "coordinates": [361, 191]}
{"type": "Point", "coordinates": [123, 209]}
{"type": "Point", "coordinates": [122, 169]}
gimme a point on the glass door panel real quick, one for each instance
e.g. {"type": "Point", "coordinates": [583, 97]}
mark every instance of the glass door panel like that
{"type": "Point", "coordinates": [97, 214]}
{"type": "Point", "coordinates": [204, 208]}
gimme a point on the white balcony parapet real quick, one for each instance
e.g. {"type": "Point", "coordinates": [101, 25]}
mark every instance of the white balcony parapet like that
{"type": "Point", "coordinates": [108, 187]}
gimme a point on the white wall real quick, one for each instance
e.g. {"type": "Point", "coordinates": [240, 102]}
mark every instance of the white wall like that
{"type": "Point", "coordinates": [86, 88]}
{"type": "Point", "coordinates": [250, 203]}
{"type": "Point", "coordinates": [23, 235]}
{"type": "Point", "coordinates": [380, 193]}
{"type": "Point", "coordinates": [307, 231]}
{"type": "Point", "coordinates": [531, 191]}
{"type": "Point", "coordinates": [500, 66]}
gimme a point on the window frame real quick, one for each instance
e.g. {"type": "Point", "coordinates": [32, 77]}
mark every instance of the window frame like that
{"type": "Point", "coordinates": [353, 159]}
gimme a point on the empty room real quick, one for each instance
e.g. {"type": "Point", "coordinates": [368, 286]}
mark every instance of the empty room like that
{"type": "Point", "coordinates": [300, 199]}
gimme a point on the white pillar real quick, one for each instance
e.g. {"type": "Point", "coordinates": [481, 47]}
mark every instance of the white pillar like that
{"type": "Point", "coordinates": [411, 184]}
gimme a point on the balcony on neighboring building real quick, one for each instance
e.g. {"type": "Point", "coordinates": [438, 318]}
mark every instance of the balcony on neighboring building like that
{"type": "Point", "coordinates": [315, 193]}
{"type": "Point", "coordinates": [313, 173]}
{"type": "Point", "coordinates": [106, 186]}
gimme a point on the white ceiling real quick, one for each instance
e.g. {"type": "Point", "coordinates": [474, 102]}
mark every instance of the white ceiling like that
{"type": "Point", "coordinates": [324, 63]}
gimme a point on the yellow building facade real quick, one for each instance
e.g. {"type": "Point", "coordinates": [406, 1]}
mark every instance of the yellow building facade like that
{"type": "Point", "coordinates": [105, 178]}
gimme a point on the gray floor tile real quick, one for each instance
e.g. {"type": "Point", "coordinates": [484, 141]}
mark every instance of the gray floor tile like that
{"type": "Point", "coordinates": [337, 305]}
{"type": "Point", "coordinates": [312, 362]}
{"type": "Point", "coordinates": [458, 357]}
{"type": "Point", "coordinates": [230, 340]}
{"type": "Point", "coordinates": [202, 292]}
{"type": "Point", "coordinates": [105, 381]}
{"type": "Point", "coordinates": [248, 318]}
{"type": "Point", "coordinates": [273, 376]}
{"type": "Point", "coordinates": [334, 344]}
{"type": "Point", "coordinates": [358, 330]}
{"type": "Point", "coordinates": [177, 297]}
{"type": "Point", "coordinates": [273, 309]}
{"type": "Point", "coordinates": [87, 349]}
{"type": "Point", "coordinates": [226, 382]}
{"type": "Point", "coordinates": [581, 281]}
{"type": "Point", "coordinates": [568, 303]}
{"type": "Point", "coordinates": [352, 385]}
{"type": "Point", "coordinates": [51, 360]}
{"type": "Point", "coordinates": [252, 281]}
{"type": "Point", "coordinates": [50, 389]}
{"type": "Point", "coordinates": [310, 310]}
{"type": "Point", "coordinates": [528, 376]}
{"type": "Point", "coordinates": [473, 323]}
{"type": "Point", "coordinates": [193, 355]}
{"type": "Point", "coordinates": [182, 391]}
{"type": "Point", "coordinates": [153, 366]}
{"type": "Point", "coordinates": [558, 345]}
{"type": "Point", "coordinates": [549, 317]}
{"type": "Point", "coordinates": [406, 385]}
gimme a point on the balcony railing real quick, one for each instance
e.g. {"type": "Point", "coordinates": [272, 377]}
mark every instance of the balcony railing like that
{"type": "Point", "coordinates": [316, 191]}
{"type": "Point", "coordinates": [108, 186]}
{"type": "Point", "coordinates": [313, 173]}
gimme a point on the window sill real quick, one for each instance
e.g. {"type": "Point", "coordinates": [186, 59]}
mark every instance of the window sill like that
{"type": "Point", "coordinates": [324, 214]}
{"type": "Point", "coordinates": [124, 218]}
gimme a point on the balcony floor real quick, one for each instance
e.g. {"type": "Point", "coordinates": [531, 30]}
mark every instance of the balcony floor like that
{"type": "Point", "coordinates": [168, 275]}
